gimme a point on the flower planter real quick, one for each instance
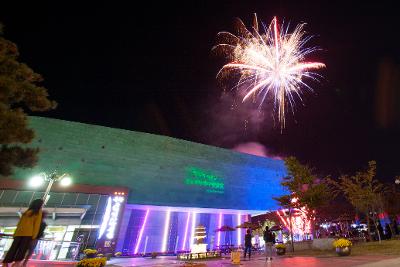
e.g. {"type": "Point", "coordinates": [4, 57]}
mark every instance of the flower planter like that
{"type": "Point", "coordinates": [280, 251]}
{"type": "Point", "coordinates": [343, 246]}
{"type": "Point", "coordinates": [100, 262]}
{"type": "Point", "coordinates": [343, 251]}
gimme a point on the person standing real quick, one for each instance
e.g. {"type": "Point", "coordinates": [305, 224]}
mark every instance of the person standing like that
{"type": "Point", "coordinates": [395, 226]}
{"type": "Point", "coordinates": [27, 230]}
{"type": "Point", "coordinates": [269, 239]}
{"type": "Point", "coordinates": [247, 243]}
{"type": "Point", "coordinates": [388, 232]}
{"type": "Point", "coordinates": [380, 230]}
{"type": "Point", "coordinates": [35, 241]}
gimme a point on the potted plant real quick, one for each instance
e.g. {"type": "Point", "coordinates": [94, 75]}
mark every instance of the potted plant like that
{"type": "Point", "coordinates": [90, 253]}
{"type": "Point", "coordinates": [153, 255]}
{"type": "Point", "coordinates": [342, 246]}
{"type": "Point", "coordinates": [280, 249]}
{"type": "Point", "coordinates": [92, 259]}
{"type": "Point", "coordinates": [92, 262]}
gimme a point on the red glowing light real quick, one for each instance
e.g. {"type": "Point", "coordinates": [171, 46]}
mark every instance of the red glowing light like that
{"type": "Point", "coordinates": [301, 224]}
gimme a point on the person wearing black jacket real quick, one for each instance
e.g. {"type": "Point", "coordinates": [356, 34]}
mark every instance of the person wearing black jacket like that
{"type": "Point", "coordinates": [269, 238]}
{"type": "Point", "coordinates": [380, 230]}
{"type": "Point", "coordinates": [247, 243]}
{"type": "Point", "coordinates": [388, 231]}
{"type": "Point", "coordinates": [395, 226]}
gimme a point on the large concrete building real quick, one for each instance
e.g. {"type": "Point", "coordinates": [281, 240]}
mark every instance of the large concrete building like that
{"type": "Point", "coordinates": [136, 192]}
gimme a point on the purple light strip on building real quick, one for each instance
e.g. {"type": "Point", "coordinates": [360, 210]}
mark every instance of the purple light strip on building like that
{"type": "Point", "coordinates": [186, 231]}
{"type": "Point", "coordinates": [219, 226]}
{"type": "Point", "coordinates": [141, 231]}
{"type": "Point", "coordinates": [166, 228]}
{"type": "Point", "coordinates": [193, 228]}
{"type": "Point", "coordinates": [239, 233]}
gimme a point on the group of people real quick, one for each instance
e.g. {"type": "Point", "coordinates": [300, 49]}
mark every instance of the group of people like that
{"type": "Point", "coordinates": [269, 239]}
{"type": "Point", "coordinates": [387, 234]}
{"type": "Point", "coordinates": [29, 229]}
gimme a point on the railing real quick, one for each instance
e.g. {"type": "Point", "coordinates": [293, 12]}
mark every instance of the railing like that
{"type": "Point", "coordinates": [198, 256]}
{"type": "Point", "coordinates": [225, 249]}
{"type": "Point", "coordinates": [46, 249]}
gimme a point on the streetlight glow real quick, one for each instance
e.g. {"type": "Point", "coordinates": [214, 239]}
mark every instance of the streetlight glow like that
{"type": "Point", "coordinates": [36, 181]}
{"type": "Point", "coordinates": [66, 181]}
{"type": "Point", "coordinates": [51, 178]}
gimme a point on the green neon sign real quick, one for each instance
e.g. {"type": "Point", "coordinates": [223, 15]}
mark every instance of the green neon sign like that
{"type": "Point", "coordinates": [200, 177]}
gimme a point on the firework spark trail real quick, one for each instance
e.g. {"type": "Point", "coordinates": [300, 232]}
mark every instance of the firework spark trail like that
{"type": "Point", "coordinates": [272, 62]}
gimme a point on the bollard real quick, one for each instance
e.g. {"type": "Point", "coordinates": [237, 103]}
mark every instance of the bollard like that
{"type": "Point", "coordinates": [235, 257]}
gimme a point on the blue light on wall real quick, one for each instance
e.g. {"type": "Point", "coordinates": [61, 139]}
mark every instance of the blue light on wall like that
{"type": "Point", "coordinates": [157, 170]}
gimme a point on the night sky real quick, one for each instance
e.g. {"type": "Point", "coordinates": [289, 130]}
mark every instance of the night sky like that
{"type": "Point", "coordinates": [148, 66]}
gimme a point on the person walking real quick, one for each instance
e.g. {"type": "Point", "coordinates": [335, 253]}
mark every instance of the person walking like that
{"type": "Point", "coordinates": [247, 243]}
{"type": "Point", "coordinates": [27, 230]}
{"type": "Point", "coordinates": [269, 238]}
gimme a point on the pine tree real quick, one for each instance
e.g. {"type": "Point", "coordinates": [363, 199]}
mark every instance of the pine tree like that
{"type": "Point", "coordinates": [20, 92]}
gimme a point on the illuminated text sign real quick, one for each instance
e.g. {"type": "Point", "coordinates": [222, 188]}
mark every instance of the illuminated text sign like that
{"type": "Point", "coordinates": [113, 221]}
{"type": "Point", "coordinates": [199, 177]}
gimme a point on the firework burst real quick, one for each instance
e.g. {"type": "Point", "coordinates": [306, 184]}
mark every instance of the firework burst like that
{"type": "Point", "coordinates": [271, 63]}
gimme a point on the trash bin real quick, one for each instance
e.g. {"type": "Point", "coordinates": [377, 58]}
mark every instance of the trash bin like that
{"type": "Point", "coordinates": [235, 257]}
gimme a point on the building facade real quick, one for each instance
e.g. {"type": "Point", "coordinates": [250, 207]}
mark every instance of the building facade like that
{"type": "Point", "coordinates": [153, 189]}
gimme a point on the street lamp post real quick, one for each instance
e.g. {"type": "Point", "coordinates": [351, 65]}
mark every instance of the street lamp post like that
{"type": "Point", "coordinates": [38, 180]}
{"type": "Point", "coordinates": [291, 227]}
{"type": "Point", "coordinates": [293, 202]}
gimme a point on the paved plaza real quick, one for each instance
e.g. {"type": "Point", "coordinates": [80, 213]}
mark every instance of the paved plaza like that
{"type": "Point", "coordinates": [365, 261]}
{"type": "Point", "coordinates": [286, 261]}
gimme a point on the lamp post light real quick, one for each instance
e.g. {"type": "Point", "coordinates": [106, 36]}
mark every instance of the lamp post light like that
{"type": "Point", "coordinates": [39, 180]}
{"type": "Point", "coordinates": [397, 181]}
{"type": "Point", "coordinates": [289, 214]}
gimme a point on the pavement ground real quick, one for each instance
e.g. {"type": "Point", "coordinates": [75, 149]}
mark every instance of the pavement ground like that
{"type": "Point", "coordinates": [284, 261]}
{"type": "Point", "coordinates": [364, 261]}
